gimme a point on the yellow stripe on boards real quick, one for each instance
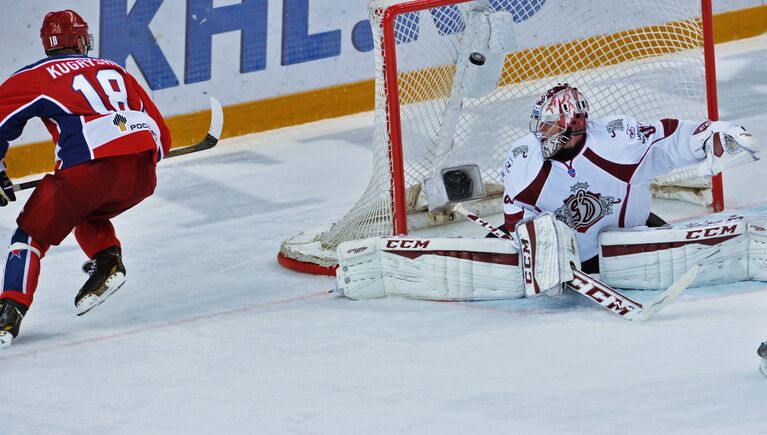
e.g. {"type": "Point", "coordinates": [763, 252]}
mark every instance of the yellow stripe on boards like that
{"type": "Point", "coordinates": [350, 98]}
{"type": "Point", "coordinates": [239, 119]}
{"type": "Point", "coordinates": [740, 24]}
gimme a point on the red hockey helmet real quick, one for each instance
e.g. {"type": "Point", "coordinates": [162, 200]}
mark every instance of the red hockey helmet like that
{"type": "Point", "coordinates": [557, 116]}
{"type": "Point", "coordinates": [61, 29]}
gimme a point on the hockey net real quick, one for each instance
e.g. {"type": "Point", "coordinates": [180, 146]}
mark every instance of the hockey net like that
{"type": "Point", "coordinates": [435, 109]}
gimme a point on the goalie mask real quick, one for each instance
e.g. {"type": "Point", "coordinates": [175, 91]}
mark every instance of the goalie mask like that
{"type": "Point", "coordinates": [558, 115]}
{"type": "Point", "coordinates": [62, 29]}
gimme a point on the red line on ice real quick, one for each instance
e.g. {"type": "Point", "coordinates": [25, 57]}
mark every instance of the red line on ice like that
{"type": "Point", "coordinates": [20, 353]}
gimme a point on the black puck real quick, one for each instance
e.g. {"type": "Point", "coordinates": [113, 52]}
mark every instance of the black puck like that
{"type": "Point", "coordinates": [477, 58]}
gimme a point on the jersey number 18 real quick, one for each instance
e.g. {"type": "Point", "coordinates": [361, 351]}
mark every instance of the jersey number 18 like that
{"type": "Point", "coordinates": [113, 85]}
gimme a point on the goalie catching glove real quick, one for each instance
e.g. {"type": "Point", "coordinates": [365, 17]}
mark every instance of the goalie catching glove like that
{"type": "Point", "coordinates": [726, 145]}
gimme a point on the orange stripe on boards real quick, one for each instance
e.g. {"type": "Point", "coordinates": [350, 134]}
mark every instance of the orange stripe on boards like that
{"type": "Point", "coordinates": [239, 119]}
{"type": "Point", "coordinates": [740, 24]}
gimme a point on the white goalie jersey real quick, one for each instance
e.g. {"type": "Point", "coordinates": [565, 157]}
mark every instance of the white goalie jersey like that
{"type": "Point", "coordinates": [607, 184]}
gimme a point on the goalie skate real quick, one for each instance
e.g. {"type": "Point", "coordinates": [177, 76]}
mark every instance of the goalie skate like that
{"type": "Point", "coordinates": [107, 275]}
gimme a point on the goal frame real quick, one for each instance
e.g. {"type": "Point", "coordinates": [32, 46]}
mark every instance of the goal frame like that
{"type": "Point", "coordinates": [315, 259]}
{"type": "Point", "coordinates": [389, 54]}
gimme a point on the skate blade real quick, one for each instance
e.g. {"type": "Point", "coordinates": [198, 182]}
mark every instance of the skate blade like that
{"type": "Point", "coordinates": [5, 339]}
{"type": "Point", "coordinates": [91, 301]}
{"type": "Point", "coordinates": [763, 367]}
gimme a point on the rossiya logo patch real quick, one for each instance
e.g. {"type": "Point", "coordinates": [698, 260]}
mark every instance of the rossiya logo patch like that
{"type": "Point", "coordinates": [119, 121]}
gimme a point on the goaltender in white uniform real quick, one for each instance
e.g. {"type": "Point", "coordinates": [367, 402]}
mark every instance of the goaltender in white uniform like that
{"type": "Point", "coordinates": [566, 183]}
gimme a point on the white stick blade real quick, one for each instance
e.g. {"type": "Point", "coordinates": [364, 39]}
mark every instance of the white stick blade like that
{"type": "Point", "coordinates": [670, 293]}
{"type": "Point", "coordinates": [216, 118]}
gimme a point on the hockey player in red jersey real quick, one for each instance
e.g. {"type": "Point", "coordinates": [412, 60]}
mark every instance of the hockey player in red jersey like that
{"type": "Point", "coordinates": [595, 174]}
{"type": "Point", "coordinates": [109, 136]}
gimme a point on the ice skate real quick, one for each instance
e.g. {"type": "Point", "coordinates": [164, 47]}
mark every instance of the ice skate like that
{"type": "Point", "coordinates": [88, 267]}
{"type": "Point", "coordinates": [11, 313]}
{"type": "Point", "coordinates": [107, 275]}
{"type": "Point", "coordinates": [762, 351]}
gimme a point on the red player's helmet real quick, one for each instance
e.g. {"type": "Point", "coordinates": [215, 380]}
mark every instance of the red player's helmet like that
{"type": "Point", "coordinates": [558, 115]}
{"type": "Point", "coordinates": [61, 29]}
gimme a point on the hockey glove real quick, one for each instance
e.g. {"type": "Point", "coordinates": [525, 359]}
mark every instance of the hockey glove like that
{"type": "Point", "coordinates": [6, 190]}
{"type": "Point", "coordinates": [726, 145]}
{"type": "Point", "coordinates": [549, 252]}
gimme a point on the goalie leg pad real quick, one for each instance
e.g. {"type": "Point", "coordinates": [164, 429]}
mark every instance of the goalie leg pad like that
{"type": "Point", "coordinates": [653, 258]}
{"type": "Point", "coordinates": [757, 248]}
{"type": "Point", "coordinates": [359, 274]}
{"type": "Point", "coordinates": [433, 269]}
{"type": "Point", "coordinates": [549, 254]}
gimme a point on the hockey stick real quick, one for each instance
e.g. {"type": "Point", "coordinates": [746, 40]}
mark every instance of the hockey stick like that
{"type": "Point", "coordinates": [209, 141]}
{"type": "Point", "coordinates": [597, 291]}
{"type": "Point", "coordinates": [214, 132]}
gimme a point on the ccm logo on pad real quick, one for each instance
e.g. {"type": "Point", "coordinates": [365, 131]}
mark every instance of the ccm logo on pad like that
{"type": "Point", "coordinates": [711, 232]}
{"type": "Point", "coordinates": [527, 262]}
{"type": "Point", "coordinates": [407, 244]}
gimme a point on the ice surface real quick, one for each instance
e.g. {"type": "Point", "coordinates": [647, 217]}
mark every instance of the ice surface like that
{"type": "Point", "coordinates": [210, 335]}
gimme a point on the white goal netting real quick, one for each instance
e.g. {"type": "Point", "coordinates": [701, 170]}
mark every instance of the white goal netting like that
{"type": "Point", "coordinates": [640, 58]}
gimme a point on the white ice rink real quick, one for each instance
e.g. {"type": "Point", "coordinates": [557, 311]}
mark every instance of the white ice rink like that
{"type": "Point", "coordinates": [211, 335]}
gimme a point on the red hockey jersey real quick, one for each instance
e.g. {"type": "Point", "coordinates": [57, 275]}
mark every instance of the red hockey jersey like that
{"type": "Point", "coordinates": [92, 107]}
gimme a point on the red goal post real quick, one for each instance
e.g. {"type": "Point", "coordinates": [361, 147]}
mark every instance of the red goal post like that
{"type": "Point", "coordinates": [648, 59]}
{"type": "Point", "coordinates": [712, 101]}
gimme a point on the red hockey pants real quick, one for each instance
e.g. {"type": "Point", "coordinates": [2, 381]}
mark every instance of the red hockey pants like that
{"type": "Point", "coordinates": [84, 198]}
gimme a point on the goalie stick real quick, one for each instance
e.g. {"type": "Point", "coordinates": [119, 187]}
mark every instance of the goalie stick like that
{"type": "Point", "coordinates": [597, 291]}
{"type": "Point", "coordinates": [209, 141]}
